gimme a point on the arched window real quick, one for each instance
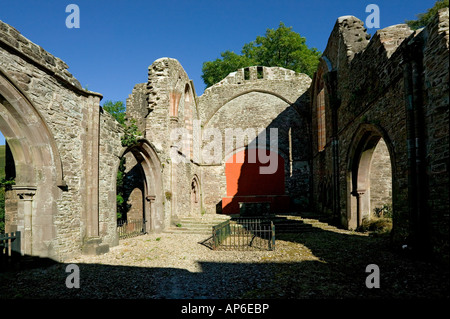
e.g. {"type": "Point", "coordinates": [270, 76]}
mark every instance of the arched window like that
{"type": "Point", "coordinates": [195, 194]}
{"type": "Point", "coordinates": [174, 98]}
{"type": "Point", "coordinates": [321, 129]}
{"type": "Point", "coordinates": [188, 116]}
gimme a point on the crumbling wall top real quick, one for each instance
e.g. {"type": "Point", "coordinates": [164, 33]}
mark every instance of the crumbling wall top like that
{"type": "Point", "coordinates": [12, 40]}
{"type": "Point", "coordinates": [283, 83]}
{"type": "Point", "coordinates": [255, 73]}
{"type": "Point", "coordinates": [347, 38]}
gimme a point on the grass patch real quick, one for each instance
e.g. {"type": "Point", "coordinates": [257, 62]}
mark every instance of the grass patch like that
{"type": "Point", "coordinates": [377, 225]}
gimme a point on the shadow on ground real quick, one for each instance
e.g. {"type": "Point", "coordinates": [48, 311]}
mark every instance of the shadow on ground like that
{"type": "Point", "coordinates": [339, 272]}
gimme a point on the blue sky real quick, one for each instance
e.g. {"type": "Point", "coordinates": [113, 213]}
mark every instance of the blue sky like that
{"type": "Point", "coordinates": [118, 40]}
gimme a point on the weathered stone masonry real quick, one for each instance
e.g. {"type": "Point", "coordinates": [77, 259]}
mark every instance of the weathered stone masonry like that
{"type": "Point", "coordinates": [370, 128]}
{"type": "Point", "coordinates": [270, 98]}
{"type": "Point", "coordinates": [393, 87]}
{"type": "Point", "coordinates": [53, 129]}
{"type": "Point", "coordinates": [273, 98]}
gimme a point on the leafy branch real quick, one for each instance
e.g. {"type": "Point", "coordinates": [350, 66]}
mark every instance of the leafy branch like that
{"type": "Point", "coordinates": [131, 131]}
{"type": "Point", "coordinates": [131, 134]}
{"type": "Point", "coordinates": [7, 182]}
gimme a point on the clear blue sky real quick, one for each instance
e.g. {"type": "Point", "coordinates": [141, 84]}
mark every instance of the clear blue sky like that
{"type": "Point", "coordinates": [118, 40]}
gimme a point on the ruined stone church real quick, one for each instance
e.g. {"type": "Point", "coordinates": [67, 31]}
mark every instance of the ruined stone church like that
{"type": "Point", "coordinates": [370, 129]}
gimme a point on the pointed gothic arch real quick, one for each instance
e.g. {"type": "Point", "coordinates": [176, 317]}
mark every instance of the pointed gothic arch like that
{"type": "Point", "coordinates": [359, 160]}
{"type": "Point", "coordinates": [153, 206]}
{"type": "Point", "coordinates": [38, 169]}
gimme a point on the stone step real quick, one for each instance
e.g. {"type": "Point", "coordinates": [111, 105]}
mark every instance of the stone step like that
{"type": "Point", "coordinates": [196, 224]}
{"type": "Point", "coordinates": [172, 230]}
{"type": "Point", "coordinates": [189, 230]}
{"type": "Point", "coordinates": [198, 221]}
{"type": "Point", "coordinates": [207, 228]}
{"type": "Point", "coordinates": [205, 218]}
{"type": "Point", "coordinates": [203, 225]}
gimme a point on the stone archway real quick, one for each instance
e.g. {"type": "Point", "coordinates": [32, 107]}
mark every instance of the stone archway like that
{"type": "Point", "coordinates": [196, 202]}
{"type": "Point", "coordinates": [38, 170]}
{"type": "Point", "coordinates": [370, 171]}
{"type": "Point", "coordinates": [151, 200]}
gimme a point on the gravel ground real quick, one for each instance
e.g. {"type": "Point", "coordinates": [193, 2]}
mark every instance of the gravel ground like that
{"type": "Point", "coordinates": [172, 266]}
{"type": "Point", "coordinates": [327, 263]}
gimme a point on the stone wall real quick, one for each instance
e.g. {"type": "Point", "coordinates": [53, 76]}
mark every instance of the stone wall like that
{"type": "Point", "coordinates": [136, 105]}
{"type": "Point", "coordinates": [178, 121]}
{"type": "Point", "coordinates": [168, 107]}
{"type": "Point", "coordinates": [380, 178]}
{"type": "Point", "coordinates": [110, 151]}
{"type": "Point", "coordinates": [269, 97]}
{"type": "Point", "coordinates": [436, 121]}
{"type": "Point", "coordinates": [394, 87]}
{"type": "Point", "coordinates": [57, 182]}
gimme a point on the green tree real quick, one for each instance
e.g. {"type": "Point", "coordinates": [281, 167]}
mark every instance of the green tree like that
{"type": "Point", "coordinates": [281, 47]}
{"type": "Point", "coordinates": [214, 71]}
{"type": "Point", "coordinates": [122, 206]}
{"type": "Point", "coordinates": [284, 48]}
{"type": "Point", "coordinates": [131, 133]}
{"type": "Point", "coordinates": [116, 109]}
{"type": "Point", "coordinates": [424, 18]}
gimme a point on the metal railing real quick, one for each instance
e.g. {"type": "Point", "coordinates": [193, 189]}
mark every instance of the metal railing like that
{"type": "Point", "coordinates": [130, 228]}
{"type": "Point", "coordinates": [244, 234]}
{"type": "Point", "coordinates": [9, 248]}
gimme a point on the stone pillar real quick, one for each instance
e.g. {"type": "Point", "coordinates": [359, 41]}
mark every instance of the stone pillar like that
{"type": "Point", "coordinates": [359, 205]}
{"type": "Point", "coordinates": [253, 73]}
{"type": "Point", "coordinates": [150, 213]}
{"type": "Point", "coordinates": [26, 195]}
{"type": "Point", "coordinates": [92, 168]}
{"type": "Point", "coordinates": [93, 241]}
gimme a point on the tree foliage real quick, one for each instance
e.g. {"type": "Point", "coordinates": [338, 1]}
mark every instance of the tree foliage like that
{"type": "Point", "coordinates": [424, 18]}
{"type": "Point", "coordinates": [122, 205]}
{"type": "Point", "coordinates": [131, 131]}
{"type": "Point", "coordinates": [131, 134]}
{"type": "Point", "coordinates": [281, 47]}
{"type": "Point", "coordinates": [214, 71]}
{"type": "Point", "coordinates": [116, 109]}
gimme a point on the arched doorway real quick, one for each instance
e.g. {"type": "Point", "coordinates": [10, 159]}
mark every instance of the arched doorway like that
{"type": "Point", "coordinates": [370, 174]}
{"type": "Point", "coordinates": [196, 201]}
{"type": "Point", "coordinates": [30, 203]}
{"type": "Point", "coordinates": [143, 193]}
{"type": "Point", "coordinates": [131, 192]}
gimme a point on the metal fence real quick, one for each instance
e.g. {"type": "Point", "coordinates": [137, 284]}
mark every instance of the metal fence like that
{"type": "Point", "coordinates": [244, 234]}
{"type": "Point", "coordinates": [130, 228]}
{"type": "Point", "coordinates": [9, 248]}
